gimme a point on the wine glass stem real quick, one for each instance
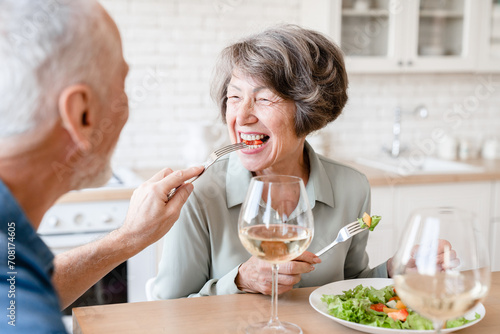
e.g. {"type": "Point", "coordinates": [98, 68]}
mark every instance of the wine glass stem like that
{"type": "Point", "coordinates": [274, 298]}
{"type": "Point", "coordinates": [438, 325]}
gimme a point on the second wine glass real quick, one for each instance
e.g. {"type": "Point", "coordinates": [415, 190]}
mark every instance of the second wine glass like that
{"type": "Point", "coordinates": [276, 225]}
{"type": "Point", "coordinates": [441, 269]}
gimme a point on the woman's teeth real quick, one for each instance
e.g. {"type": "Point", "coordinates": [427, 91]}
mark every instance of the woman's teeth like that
{"type": "Point", "coordinates": [253, 141]}
{"type": "Point", "coordinates": [251, 137]}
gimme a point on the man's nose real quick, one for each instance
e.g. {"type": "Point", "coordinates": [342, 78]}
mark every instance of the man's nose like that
{"type": "Point", "coordinates": [246, 112]}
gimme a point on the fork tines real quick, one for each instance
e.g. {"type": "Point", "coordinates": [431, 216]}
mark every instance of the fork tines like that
{"type": "Point", "coordinates": [230, 148]}
{"type": "Point", "coordinates": [354, 228]}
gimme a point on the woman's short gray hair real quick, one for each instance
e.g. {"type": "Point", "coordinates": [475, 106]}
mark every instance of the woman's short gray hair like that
{"type": "Point", "coordinates": [298, 64]}
{"type": "Point", "coordinates": [46, 45]}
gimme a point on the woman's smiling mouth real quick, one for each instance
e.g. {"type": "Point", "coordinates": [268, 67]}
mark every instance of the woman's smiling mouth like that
{"type": "Point", "coordinates": [253, 141]}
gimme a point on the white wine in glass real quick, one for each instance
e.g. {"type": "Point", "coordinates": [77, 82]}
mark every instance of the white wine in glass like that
{"type": "Point", "coordinates": [441, 268]}
{"type": "Point", "coordinates": [276, 225]}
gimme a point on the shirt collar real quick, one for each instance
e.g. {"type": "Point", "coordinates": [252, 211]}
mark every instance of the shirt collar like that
{"type": "Point", "coordinates": [318, 187]}
{"type": "Point", "coordinates": [10, 212]}
{"type": "Point", "coordinates": [319, 184]}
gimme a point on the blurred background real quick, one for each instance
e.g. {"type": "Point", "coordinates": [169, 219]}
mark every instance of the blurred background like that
{"type": "Point", "coordinates": [443, 55]}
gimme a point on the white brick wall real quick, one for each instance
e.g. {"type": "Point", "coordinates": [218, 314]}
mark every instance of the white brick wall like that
{"type": "Point", "coordinates": [171, 46]}
{"type": "Point", "coordinates": [465, 105]}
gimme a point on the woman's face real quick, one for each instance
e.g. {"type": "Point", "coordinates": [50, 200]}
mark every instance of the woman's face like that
{"type": "Point", "coordinates": [258, 116]}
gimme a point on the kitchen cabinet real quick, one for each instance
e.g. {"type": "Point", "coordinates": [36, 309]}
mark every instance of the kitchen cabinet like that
{"type": "Point", "coordinates": [471, 196]}
{"type": "Point", "coordinates": [380, 245]}
{"type": "Point", "coordinates": [395, 204]}
{"type": "Point", "coordinates": [495, 229]}
{"type": "Point", "coordinates": [489, 37]}
{"type": "Point", "coordinates": [399, 36]}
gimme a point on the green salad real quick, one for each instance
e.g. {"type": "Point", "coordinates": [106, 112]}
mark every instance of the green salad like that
{"type": "Point", "coordinates": [380, 308]}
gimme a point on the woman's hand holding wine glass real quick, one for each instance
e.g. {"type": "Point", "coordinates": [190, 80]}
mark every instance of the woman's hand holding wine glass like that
{"type": "Point", "coordinates": [255, 275]}
{"type": "Point", "coordinates": [276, 226]}
{"type": "Point", "coordinates": [437, 280]}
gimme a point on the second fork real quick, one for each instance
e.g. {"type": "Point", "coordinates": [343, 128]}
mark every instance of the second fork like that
{"type": "Point", "coordinates": [345, 233]}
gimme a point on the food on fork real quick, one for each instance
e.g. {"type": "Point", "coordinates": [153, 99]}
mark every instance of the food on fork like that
{"type": "Point", "coordinates": [368, 221]}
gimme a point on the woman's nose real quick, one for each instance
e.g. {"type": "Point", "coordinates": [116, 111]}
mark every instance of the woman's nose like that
{"type": "Point", "coordinates": [246, 113]}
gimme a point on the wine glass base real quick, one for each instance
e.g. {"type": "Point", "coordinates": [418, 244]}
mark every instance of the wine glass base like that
{"type": "Point", "coordinates": [282, 328]}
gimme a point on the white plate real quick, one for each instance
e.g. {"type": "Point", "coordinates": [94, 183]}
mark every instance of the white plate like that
{"type": "Point", "coordinates": [337, 288]}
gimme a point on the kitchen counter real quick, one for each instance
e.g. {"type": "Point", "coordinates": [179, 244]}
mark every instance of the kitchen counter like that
{"type": "Point", "coordinates": [376, 177]}
{"type": "Point", "coordinates": [96, 195]}
{"type": "Point", "coordinates": [232, 313]}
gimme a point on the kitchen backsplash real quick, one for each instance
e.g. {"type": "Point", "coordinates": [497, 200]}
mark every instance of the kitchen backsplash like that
{"type": "Point", "coordinates": [172, 45]}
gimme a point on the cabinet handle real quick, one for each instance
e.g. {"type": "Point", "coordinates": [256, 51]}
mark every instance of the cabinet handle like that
{"type": "Point", "coordinates": [400, 63]}
{"type": "Point", "coordinates": [410, 63]}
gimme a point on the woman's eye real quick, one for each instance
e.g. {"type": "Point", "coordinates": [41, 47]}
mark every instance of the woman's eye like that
{"type": "Point", "coordinates": [264, 101]}
{"type": "Point", "coordinates": [233, 98]}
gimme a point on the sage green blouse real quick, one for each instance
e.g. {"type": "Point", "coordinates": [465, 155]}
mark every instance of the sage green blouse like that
{"type": "Point", "coordinates": [202, 252]}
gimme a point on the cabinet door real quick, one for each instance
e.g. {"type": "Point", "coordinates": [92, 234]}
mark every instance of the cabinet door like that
{"type": "Point", "coordinates": [440, 35]}
{"type": "Point", "coordinates": [489, 36]}
{"type": "Point", "coordinates": [381, 241]}
{"type": "Point", "coordinates": [472, 196]}
{"type": "Point", "coordinates": [370, 36]}
{"type": "Point", "coordinates": [366, 30]}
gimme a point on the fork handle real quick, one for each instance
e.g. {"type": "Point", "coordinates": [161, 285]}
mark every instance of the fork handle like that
{"type": "Point", "coordinates": [327, 248]}
{"type": "Point", "coordinates": [172, 192]}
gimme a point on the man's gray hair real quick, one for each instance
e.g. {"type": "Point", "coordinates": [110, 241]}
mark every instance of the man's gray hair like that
{"type": "Point", "coordinates": [45, 46]}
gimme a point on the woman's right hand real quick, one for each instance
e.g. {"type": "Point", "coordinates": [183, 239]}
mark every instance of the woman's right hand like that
{"type": "Point", "coordinates": [255, 275]}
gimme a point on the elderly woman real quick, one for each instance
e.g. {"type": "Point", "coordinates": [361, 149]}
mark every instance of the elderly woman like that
{"type": "Point", "coordinates": [273, 89]}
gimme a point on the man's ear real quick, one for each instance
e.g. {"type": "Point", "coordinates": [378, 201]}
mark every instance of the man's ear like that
{"type": "Point", "coordinates": [78, 114]}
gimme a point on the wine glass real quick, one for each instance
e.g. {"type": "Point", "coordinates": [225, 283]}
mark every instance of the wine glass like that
{"type": "Point", "coordinates": [441, 268]}
{"type": "Point", "coordinates": [275, 225]}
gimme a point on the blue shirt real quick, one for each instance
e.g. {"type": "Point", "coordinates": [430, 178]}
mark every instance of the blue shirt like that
{"type": "Point", "coordinates": [28, 300]}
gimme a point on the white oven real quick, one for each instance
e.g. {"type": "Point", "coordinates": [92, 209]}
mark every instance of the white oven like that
{"type": "Point", "coordinates": [71, 224]}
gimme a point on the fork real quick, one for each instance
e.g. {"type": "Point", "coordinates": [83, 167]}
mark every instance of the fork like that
{"type": "Point", "coordinates": [213, 157]}
{"type": "Point", "coordinates": [345, 233]}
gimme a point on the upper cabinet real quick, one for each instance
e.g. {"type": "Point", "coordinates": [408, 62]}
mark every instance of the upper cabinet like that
{"type": "Point", "coordinates": [489, 48]}
{"type": "Point", "coordinates": [410, 35]}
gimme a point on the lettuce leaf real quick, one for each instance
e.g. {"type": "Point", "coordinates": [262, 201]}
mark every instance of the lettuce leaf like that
{"type": "Point", "coordinates": [416, 321]}
{"type": "Point", "coordinates": [461, 321]}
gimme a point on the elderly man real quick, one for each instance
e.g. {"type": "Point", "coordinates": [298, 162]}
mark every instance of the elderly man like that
{"type": "Point", "coordinates": [62, 108]}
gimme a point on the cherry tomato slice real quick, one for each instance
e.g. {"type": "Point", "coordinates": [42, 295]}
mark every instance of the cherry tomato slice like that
{"type": "Point", "coordinates": [253, 142]}
{"type": "Point", "coordinates": [399, 315]}
{"type": "Point", "coordinates": [378, 307]}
